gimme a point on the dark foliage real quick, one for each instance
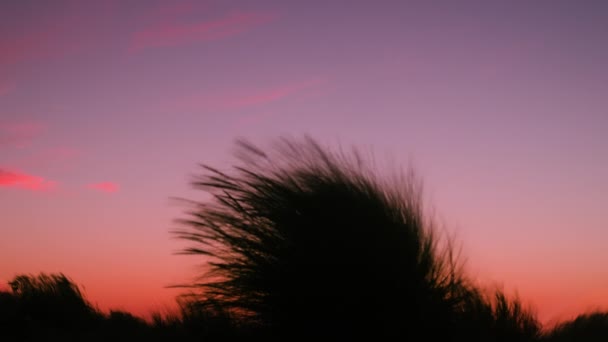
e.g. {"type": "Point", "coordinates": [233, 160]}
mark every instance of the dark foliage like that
{"type": "Point", "coordinates": [308, 243]}
{"type": "Point", "coordinates": [301, 243]}
{"type": "Point", "coordinates": [196, 322]}
{"type": "Point", "coordinates": [51, 307]}
{"type": "Point", "coordinates": [44, 305]}
{"type": "Point", "coordinates": [495, 317]}
{"type": "Point", "coordinates": [590, 327]}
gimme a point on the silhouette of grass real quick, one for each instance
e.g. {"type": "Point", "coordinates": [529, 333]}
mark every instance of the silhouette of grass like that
{"type": "Point", "coordinates": [588, 327]}
{"type": "Point", "coordinates": [493, 316]}
{"type": "Point", "coordinates": [195, 321]}
{"type": "Point", "coordinates": [302, 243]}
{"type": "Point", "coordinates": [46, 304]}
{"type": "Point", "coordinates": [305, 242]}
{"type": "Point", "coordinates": [52, 307]}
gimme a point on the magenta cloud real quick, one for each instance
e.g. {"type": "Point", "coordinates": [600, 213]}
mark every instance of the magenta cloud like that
{"type": "Point", "coordinates": [55, 158]}
{"type": "Point", "coordinates": [40, 43]}
{"type": "Point", "coordinates": [6, 88]}
{"type": "Point", "coordinates": [240, 98]}
{"type": "Point", "coordinates": [169, 12]}
{"type": "Point", "coordinates": [164, 35]}
{"type": "Point", "coordinates": [15, 179]}
{"type": "Point", "coordinates": [17, 133]}
{"type": "Point", "coordinates": [108, 187]}
{"type": "Point", "coordinates": [271, 95]}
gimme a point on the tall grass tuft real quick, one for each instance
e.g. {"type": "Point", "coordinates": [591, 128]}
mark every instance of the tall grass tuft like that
{"type": "Point", "coordinates": [45, 305]}
{"type": "Point", "coordinates": [588, 327]}
{"type": "Point", "coordinates": [304, 242]}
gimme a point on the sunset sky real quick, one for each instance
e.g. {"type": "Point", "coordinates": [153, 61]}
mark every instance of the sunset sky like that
{"type": "Point", "coordinates": [108, 107]}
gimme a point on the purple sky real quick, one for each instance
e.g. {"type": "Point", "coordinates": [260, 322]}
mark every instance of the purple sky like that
{"type": "Point", "coordinates": [107, 107]}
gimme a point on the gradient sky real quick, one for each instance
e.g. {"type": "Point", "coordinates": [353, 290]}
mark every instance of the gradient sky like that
{"type": "Point", "coordinates": [108, 107]}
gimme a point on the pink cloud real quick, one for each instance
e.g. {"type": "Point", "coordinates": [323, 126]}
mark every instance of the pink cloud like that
{"type": "Point", "coordinates": [19, 132]}
{"type": "Point", "coordinates": [104, 187]}
{"type": "Point", "coordinates": [271, 95]}
{"type": "Point", "coordinates": [25, 181]}
{"type": "Point", "coordinates": [60, 154]}
{"type": "Point", "coordinates": [166, 13]}
{"type": "Point", "coordinates": [28, 46]}
{"type": "Point", "coordinates": [54, 34]}
{"type": "Point", "coordinates": [164, 35]}
{"type": "Point", "coordinates": [77, 26]}
{"type": "Point", "coordinates": [55, 158]}
{"type": "Point", "coordinates": [239, 99]}
{"type": "Point", "coordinates": [6, 88]}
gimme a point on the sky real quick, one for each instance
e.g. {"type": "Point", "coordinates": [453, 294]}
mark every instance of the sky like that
{"type": "Point", "coordinates": [107, 108]}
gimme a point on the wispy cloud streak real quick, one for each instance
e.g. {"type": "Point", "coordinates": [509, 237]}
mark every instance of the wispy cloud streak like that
{"type": "Point", "coordinates": [32, 45]}
{"type": "Point", "coordinates": [108, 187]}
{"type": "Point", "coordinates": [14, 179]}
{"type": "Point", "coordinates": [167, 13]}
{"type": "Point", "coordinates": [240, 99]}
{"type": "Point", "coordinates": [165, 35]}
{"type": "Point", "coordinates": [18, 133]}
{"type": "Point", "coordinates": [49, 158]}
{"type": "Point", "coordinates": [6, 88]}
{"type": "Point", "coordinates": [271, 95]}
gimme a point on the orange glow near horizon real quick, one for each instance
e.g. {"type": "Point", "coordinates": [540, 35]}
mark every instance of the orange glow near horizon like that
{"type": "Point", "coordinates": [107, 108]}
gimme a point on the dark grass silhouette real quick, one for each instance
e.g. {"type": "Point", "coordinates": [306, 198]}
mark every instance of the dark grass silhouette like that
{"type": "Point", "coordinates": [589, 327]}
{"type": "Point", "coordinates": [196, 322]}
{"type": "Point", "coordinates": [52, 307]}
{"type": "Point", "coordinates": [305, 243]}
{"type": "Point", "coordinates": [493, 316]}
{"type": "Point", "coordinates": [302, 243]}
{"type": "Point", "coordinates": [44, 305]}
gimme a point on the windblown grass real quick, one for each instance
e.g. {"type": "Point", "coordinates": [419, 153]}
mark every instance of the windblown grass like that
{"type": "Point", "coordinates": [309, 243]}
{"type": "Point", "coordinates": [301, 243]}
{"type": "Point", "coordinates": [588, 327]}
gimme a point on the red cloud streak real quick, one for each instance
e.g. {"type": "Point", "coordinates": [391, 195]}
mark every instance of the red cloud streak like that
{"type": "Point", "coordinates": [37, 44]}
{"type": "Point", "coordinates": [272, 95]}
{"type": "Point", "coordinates": [238, 99]}
{"type": "Point", "coordinates": [24, 181]}
{"type": "Point", "coordinates": [6, 88]}
{"type": "Point", "coordinates": [17, 133]}
{"type": "Point", "coordinates": [176, 34]}
{"type": "Point", "coordinates": [104, 187]}
{"type": "Point", "coordinates": [166, 13]}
